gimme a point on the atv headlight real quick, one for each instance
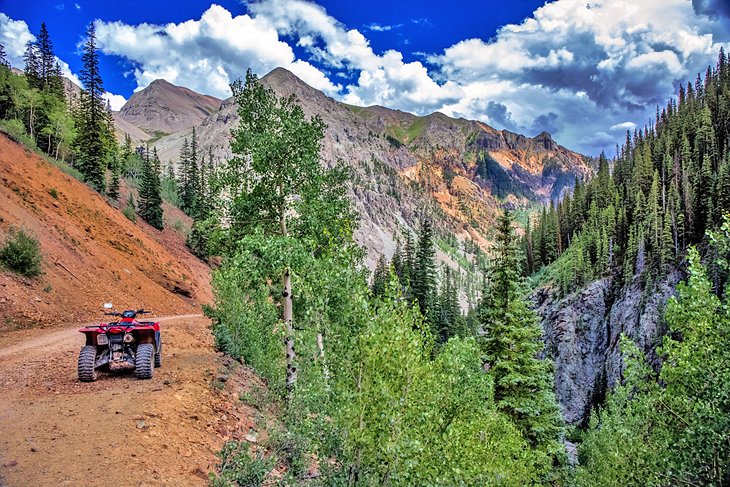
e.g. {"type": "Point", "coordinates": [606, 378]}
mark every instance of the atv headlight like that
{"type": "Point", "coordinates": [128, 338]}
{"type": "Point", "coordinates": [102, 339]}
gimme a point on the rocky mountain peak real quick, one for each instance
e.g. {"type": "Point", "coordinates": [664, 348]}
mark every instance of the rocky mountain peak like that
{"type": "Point", "coordinates": [164, 108]}
{"type": "Point", "coordinates": [286, 83]}
{"type": "Point", "coordinates": [546, 140]}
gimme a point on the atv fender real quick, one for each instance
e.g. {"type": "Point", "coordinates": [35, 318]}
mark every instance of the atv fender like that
{"type": "Point", "coordinates": [146, 336]}
{"type": "Point", "coordinates": [91, 334]}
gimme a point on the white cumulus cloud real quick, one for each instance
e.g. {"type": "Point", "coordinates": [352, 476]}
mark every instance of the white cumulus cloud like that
{"type": "Point", "coordinates": [14, 35]}
{"type": "Point", "coordinates": [116, 102]}
{"type": "Point", "coordinates": [383, 79]}
{"type": "Point", "coordinates": [207, 54]}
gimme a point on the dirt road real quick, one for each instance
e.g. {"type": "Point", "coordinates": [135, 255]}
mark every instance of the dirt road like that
{"type": "Point", "coordinates": [119, 430]}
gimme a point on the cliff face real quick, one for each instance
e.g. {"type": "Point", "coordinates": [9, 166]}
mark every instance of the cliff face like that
{"type": "Point", "coordinates": [582, 332]}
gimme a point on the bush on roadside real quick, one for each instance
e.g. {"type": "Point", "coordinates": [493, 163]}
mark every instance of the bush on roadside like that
{"type": "Point", "coordinates": [240, 466]}
{"type": "Point", "coordinates": [21, 253]}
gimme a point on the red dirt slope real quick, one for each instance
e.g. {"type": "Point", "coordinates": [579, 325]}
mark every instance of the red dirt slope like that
{"type": "Point", "coordinates": [91, 253]}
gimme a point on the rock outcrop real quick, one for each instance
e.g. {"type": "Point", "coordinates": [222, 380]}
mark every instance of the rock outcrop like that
{"type": "Point", "coordinates": [582, 332]}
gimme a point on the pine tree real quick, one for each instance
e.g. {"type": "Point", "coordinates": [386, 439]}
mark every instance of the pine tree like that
{"type": "Point", "coordinates": [449, 319]}
{"type": "Point", "coordinates": [189, 179]}
{"type": "Point", "coordinates": [47, 66]}
{"type": "Point", "coordinates": [94, 138]}
{"type": "Point", "coordinates": [409, 262]}
{"type": "Point", "coordinates": [424, 272]}
{"type": "Point", "coordinates": [32, 64]}
{"type": "Point", "coordinates": [529, 250]}
{"type": "Point", "coordinates": [512, 343]}
{"type": "Point", "coordinates": [182, 183]}
{"type": "Point", "coordinates": [381, 277]}
{"type": "Point", "coordinates": [723, 186]}
{"type": "Point", "coordinates": [127, 149]}
{"type": "Point", "coordinates": [3, 57]}
{"type": "Point", "coordinates": [113, 189]}
{"type": "Point", "coordinates": [150, 201]}
{"type": "Point", "coordinates": [397, 261]}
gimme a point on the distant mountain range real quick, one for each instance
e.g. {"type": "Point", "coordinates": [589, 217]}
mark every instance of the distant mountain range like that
{"type": "Point", "coordinates": [459, 171]}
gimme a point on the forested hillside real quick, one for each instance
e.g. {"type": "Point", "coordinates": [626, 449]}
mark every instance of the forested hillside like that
{"type": "Point", "coordinates": [377, 390]}
{"type": "Point", "coordinates": [607, 260]}
{"type": "Point", "coordinates": [668, 184]}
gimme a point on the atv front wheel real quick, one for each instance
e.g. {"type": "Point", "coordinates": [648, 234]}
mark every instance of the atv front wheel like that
{"type": "Point", "coordinates": [143, 362]}
{"type": "Point", "coordinates": [158, 356]}
{"type": "Point", "coordinates": [87, 360]}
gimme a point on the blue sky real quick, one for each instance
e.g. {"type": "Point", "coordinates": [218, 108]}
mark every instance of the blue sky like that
{"type": "Point", "coordinates": [585, 71]}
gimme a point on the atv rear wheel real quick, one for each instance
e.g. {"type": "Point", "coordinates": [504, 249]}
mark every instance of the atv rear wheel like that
{"type": "Point", "coordinates": [158, 356]}
{"type": "Point", "coordinates": [143, 361]}
{"type": "Point", "coordinates": [87, 360]}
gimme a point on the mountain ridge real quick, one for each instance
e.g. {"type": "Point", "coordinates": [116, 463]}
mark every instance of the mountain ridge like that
{"type": "Point", "coordinates": [460, 171]}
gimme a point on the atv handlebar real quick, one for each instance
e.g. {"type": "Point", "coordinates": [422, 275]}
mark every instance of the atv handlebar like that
{"type": "Point", "coordinates": [139, 312]}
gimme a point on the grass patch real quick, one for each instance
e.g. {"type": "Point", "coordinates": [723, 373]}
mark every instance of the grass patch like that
{"type": "Point", "coordinates": [416, 129]}
{"type": "Point", "coordinates": [156, 135]}
{"type": "Point", "coordinates": [15, 130]}
{"type": "Point", "coordinates": [54, 193]}
{"type": "Point", "coordinates": [129, 212]}
{"type": "Point", "coordinates": [354, 109]}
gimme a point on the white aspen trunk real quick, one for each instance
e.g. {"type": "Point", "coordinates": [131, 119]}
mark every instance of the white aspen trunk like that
{"type": "Point", "coordinates": [31, 120]}
{"type": "Point", "coordinates": [325, 369]}
{"type": "Point", "coordinates": [291, 369]}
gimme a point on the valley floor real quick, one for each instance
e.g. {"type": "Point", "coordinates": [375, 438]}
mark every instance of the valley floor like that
{"type": "Point", "coordinates": [119, 430]}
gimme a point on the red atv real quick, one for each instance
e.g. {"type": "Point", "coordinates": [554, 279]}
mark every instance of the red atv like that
{"type": "Point", "coordinates": [120, 346]}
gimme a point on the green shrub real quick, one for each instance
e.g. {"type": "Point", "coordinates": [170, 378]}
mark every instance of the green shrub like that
{"type": "Point", "coordinates": [169, 191]}
{"type": "Point", "coordinates": [129, 212]}
{"type": "Point", "coordinates": [22, 253]}
{"type": "Point", "coordinates": [239, 467]}
{"type": "Point", "coordinates": [53, 192]}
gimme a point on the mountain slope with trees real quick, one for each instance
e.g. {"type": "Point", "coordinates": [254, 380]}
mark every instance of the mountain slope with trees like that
{"type": "Point", "coordinates": [610, 255]}
{"type": "Point", "coordinates": [89, 252]}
